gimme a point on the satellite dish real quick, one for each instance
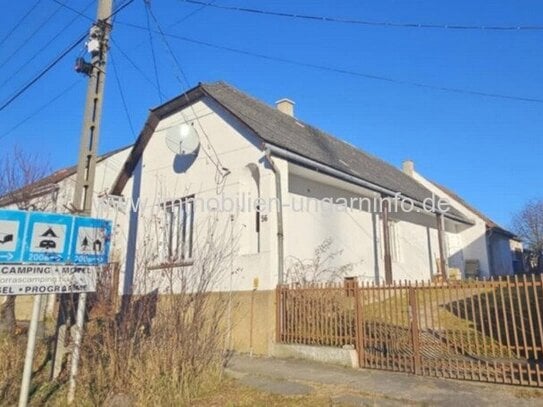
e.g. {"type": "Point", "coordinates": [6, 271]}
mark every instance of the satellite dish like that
{"type": "Point", "coordinates": [183, 139]}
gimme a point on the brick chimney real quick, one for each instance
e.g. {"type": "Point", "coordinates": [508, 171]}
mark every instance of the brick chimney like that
{"type": "Point", "coordinates": [286, 106]}
{"type": "Point", "coordinates": [408, 167]}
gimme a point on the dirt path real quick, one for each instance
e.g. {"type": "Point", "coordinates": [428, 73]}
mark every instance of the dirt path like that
{"type": "Point", "coordinates": [360, 387]}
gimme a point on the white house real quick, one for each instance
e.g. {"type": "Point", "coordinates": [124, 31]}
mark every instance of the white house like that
{"type": "Point", "coordinates": [289, 199]}
{"type": "Point", "coordinates": [249, 149]}
{"type": "Point", "coordinates": [496, 250]}
{"type": "Point", "coordinates": [309, 190]}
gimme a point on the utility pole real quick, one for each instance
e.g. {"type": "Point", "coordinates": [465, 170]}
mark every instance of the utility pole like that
{"type": "Point", "coordinates": [97, 47]}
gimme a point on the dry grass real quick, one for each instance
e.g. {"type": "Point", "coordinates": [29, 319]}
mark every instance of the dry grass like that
{"type": "Point", "coordinates": [12, 354]}
{"type": "Point", "coordinates": [230, 393]}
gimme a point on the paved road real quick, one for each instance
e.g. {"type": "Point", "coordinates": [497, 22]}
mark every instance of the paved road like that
{"type": "Point", "coordinates": [361, 387]}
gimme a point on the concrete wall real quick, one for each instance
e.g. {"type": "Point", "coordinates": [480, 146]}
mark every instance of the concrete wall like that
{"type": "Point", "coordinates": [469, 243]}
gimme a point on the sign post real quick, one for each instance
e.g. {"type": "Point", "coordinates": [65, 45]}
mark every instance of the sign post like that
{"type": "Point", "coordinates": [29, 357]}
{"type": "Point", "coordinates": [49, 253]}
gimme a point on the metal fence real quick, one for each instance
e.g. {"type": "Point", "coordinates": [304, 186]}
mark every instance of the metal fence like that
{"type": "Point", "coordinates": [482, 330]}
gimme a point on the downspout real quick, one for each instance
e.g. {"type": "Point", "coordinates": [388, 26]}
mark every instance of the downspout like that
{"type": "Point", "coordinates": [280, 234]}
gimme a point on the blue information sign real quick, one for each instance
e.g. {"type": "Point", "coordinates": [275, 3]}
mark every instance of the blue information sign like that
{"type": "Point", "coordinates": [91, 241]}
{"type": "Point", "coordinates": [52, 238]}
{"type": "Point", "coordinates": [48, 238]}
{"type": "Point", "coordinates": [12, 230]}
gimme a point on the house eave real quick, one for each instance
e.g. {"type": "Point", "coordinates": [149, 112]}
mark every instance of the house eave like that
{"type": "Point", "coordinates": [326, 169]}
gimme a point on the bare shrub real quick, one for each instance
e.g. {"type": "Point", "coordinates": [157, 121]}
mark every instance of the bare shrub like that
{"type": "Point", "coordinates": [320, 268]}
{"type": "Point", "coordinates": [162, 350]}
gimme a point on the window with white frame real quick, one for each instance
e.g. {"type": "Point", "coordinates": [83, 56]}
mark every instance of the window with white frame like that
{"type": "Point", "coordinates": [177, 240]}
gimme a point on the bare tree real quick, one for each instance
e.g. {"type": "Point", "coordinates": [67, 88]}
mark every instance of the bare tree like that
{"type": "Point", "coordinates": [19, 184]}
{"type": "Point", "coordinates": [528, 224]}
{"type": "Point", "coordinates": [20, 172]}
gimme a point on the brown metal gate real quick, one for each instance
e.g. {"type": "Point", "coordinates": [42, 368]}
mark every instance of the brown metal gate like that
{"type": "Point", "coordinates": [474, 330]}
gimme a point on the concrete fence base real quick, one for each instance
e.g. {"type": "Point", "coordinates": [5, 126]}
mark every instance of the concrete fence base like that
{"type": "Point", "coordinates": [346, 356]}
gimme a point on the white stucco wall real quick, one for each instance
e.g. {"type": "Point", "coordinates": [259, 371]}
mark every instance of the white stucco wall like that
{"type": "Point", "coordinates": [164, 179]}
{"type": "Point", "coordinates": [356, 232]}
{"type": "Point", "coordinates": [468, 244]}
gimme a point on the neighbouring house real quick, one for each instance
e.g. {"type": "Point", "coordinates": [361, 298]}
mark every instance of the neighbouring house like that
{"type": "Point", "coordinates": [487, 248]}
{"type": "Point", "coordinates": [54, 193]}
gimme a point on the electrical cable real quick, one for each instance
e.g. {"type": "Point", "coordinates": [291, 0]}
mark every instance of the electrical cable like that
{"type": "Point", "coordinates": [56, 61]}
{"type": "Point", "coordinates": [354, 73]}
{"type": "Point", "coordinates": [136, 67]}
{"type": "Point", "coordinates": [19, 22]}
{"type": "Point", "coordinates": [28, 39]}
{"type": "Point", "coordinates": [221, 171]}
{"type": "Point", "coordinates": [368, 22]}
{"type": "Point", "coordinates": [155, 67]}
{"type": "Point", "coordinates": [43, 48]}
{"type": "Point", "coordinates": [123, 99]}
{"type": "Point", "coordinates": [41, 108]}
{"type": "Point", "coordinates": [79, 13]}
{"type": "Point", "coordinates": [43, 72]}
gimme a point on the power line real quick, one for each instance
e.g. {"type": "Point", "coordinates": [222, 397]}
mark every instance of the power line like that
{"type": "Point", "coordinates": [220, 174]}
{"type": "Point", "coordinates": [155, 67]}
{"type": "Point", "coordinates": [32, 35]}
{"type": "Point", "coordinates": [346, 71]}
{"type": "Point", "coordinates": [19, 22]}
{"type": "Point", "coordinates": [121, 93]}
{"type": "Point", "coordinates": [41, 108]}
{"type": "Point", "coordinates": [79, 13]}
{"type": "Point", "coordinates": [135, 66]}
{"type": "Point", "coordinates": [169, 49]}
{"type": "Point", "coordinates": [189, 15]}
{"type": "Point", "coordinates": [368, 22]}
{"type": "Point", "coordinates": [47, 44]}
{"type": "Point", "coordinates": [56, 61]}
{"type": "Point", "coordinates": [43, 72]}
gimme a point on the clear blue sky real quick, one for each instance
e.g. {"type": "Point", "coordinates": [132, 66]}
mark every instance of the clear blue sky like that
{"type": "Point", "coordinates": [488, 150]}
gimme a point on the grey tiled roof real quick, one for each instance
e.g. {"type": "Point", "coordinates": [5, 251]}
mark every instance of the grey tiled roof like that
{"type": "Point", "coordinates": [296, 136]}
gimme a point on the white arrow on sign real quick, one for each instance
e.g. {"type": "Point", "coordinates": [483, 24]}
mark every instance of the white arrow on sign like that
{"type": "Point", "coordinates": [7, 257]}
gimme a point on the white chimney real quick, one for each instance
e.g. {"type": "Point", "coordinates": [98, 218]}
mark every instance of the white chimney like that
{"type": "Point", "coordinates": [408, 167]}
{"type": "Point", "coordinates": [286, 106]}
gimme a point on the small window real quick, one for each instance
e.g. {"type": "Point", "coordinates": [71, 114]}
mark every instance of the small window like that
{"type": "Point", "coordinates": [178, 229]}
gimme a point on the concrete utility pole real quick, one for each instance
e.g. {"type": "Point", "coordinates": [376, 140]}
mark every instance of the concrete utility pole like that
{"type": "Point", "coordinates": [90, 134]}
{"type": "Point", "coordinates": [97, 47]}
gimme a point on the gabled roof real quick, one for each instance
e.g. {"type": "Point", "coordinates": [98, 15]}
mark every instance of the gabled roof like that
{"type": "Point", "coordinates": [289, 133]}
{"type": "Point", "coordinates": [39, 187]}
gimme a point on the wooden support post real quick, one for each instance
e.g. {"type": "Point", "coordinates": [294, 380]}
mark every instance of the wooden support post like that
{"type": "Point", "coordinates": [386, 242]}
{"type": "Point", "coordinates": [441, 239]}
{"type": "Point", "coordinates": [359, 324]}
{"type": "Point", "coordinates": [414, 325]}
